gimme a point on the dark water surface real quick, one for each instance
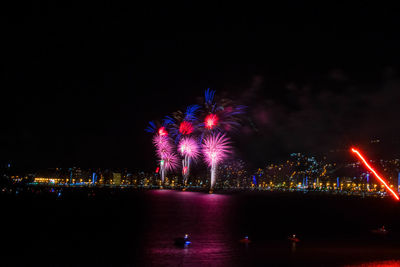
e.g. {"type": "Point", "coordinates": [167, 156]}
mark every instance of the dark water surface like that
{"type": "Point", "coordinates": [137, 228]}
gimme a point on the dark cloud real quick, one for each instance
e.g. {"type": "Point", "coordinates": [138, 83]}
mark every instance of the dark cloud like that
{"type": "Point", "coordinates": [318, 116]}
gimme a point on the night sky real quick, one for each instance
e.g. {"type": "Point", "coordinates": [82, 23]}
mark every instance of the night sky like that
{"type": "Point", "coordinates": [81, 81]}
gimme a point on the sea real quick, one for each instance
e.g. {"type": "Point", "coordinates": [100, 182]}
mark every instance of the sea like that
{"type": "Point", "coordinates": [125, 227]}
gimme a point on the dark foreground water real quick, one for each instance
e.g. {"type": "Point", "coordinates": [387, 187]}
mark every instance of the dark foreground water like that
{"type": "Point", "coordinates": [137, 228]}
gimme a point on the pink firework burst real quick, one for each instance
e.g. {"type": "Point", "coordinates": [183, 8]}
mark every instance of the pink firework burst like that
{"type": "Point", "coordinates": [170, 161]}
{"type": "Point", "coordinates": [159, 139]}
{"type": "Point", "coordinates": [162, 144]}
{"type": "Point", "coordinates": [216, 148]}
{"type": "Point", "coordinates": [186, 127]}
{"type": "Point", "coordinates": [188, 147]}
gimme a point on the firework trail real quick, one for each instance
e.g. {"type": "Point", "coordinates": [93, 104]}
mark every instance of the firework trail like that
{"type": "Point", "coordinates": [189, 149]}
{"type": "Point", "coordinates": [216, 148]}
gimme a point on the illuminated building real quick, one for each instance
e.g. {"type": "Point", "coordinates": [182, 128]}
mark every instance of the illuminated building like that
{"type": "Point", "coordinates": [116, 178]}
{"type": "Point", "coordinates": [75, 175]}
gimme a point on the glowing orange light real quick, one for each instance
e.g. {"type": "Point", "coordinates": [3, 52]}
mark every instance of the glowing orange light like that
{"type": "Point", "coordinates": [374, 172]}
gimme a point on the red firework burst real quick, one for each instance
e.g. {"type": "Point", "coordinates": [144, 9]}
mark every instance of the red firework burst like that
{"type": "Point", "coordinates": [186, 127]}
{"type": "Point", "coordinates": [211, 121]}
{"type": "Point", "coordinates": [162, 131]}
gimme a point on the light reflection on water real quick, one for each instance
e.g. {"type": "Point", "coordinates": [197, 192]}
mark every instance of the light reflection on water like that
{"type": "Point", "coordinates": [216, 223]}
{"type": "Point", "coordinates": [203, 216]}
{"type": "Point", "coordinates": [138, 228]}
{"type": "Point", "coordinates": [389, 263]}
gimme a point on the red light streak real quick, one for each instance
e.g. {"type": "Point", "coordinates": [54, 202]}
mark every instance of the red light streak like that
{"type": "Point", "coordinates": [374, 172]}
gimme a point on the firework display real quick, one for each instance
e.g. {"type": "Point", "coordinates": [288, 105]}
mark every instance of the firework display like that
{"type": "Point", "coordinates": [189, 149]}
{"type": "Point", "coordinates": [199, 131]}
{"type": "Point", "coordinates": [164, 151]}
{"type": "Point", "coordinates": [216, 148]}
{"type": "Point", "coordinates": [183, 125]}
{"type": "Point", "coordinates": [168, 159]}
